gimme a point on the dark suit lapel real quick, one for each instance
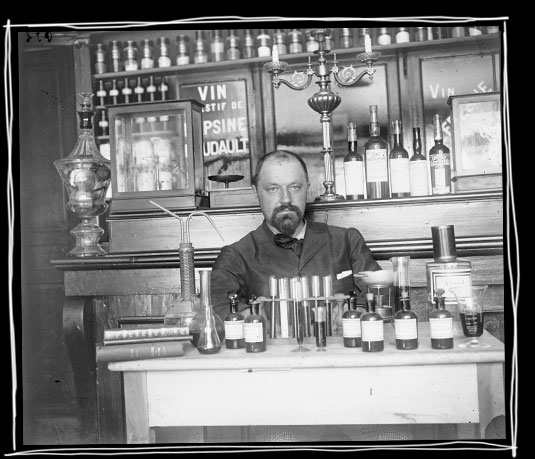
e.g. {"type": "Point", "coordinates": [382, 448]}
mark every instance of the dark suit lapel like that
{"type": "Point", "coordinates": [314, 241]}
{"type": "Point", "coordinates": [267, 249]}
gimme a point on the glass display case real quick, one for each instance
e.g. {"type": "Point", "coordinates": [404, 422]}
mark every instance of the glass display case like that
{"type": "Point", "coordinates": [156, 153]}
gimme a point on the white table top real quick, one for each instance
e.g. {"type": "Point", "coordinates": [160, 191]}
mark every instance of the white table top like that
{"type": "Point", "coordinates": [279, 355]}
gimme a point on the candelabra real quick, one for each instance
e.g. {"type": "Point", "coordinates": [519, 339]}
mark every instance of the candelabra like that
{"type": "Point", "coordinates": [324, 101]}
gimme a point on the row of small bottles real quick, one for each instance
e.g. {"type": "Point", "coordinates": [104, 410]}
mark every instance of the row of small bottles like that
{"type": "Point", "coordinates": [217, 46]}
{"type": "Point", "coordinates": [380, 174]}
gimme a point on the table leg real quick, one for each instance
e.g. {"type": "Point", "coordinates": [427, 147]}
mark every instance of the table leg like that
{"type": "Point", "coordinates": [137, 408]}
{"type": "Point", "coordinates": [78, 332]}
{"type": "Point", "coordinates": [491, 394]}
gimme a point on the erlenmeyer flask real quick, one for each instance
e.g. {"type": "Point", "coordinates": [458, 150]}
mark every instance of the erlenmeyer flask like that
{"type": "Point", "coordinates": [210, 329]}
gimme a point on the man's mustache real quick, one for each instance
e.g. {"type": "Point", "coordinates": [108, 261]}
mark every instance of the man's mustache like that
{"type": "Point", "coordinates": [290, 207]}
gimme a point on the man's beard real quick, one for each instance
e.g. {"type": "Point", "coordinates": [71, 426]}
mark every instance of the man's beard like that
{"type": "Point", "coordinates": [286, 223]}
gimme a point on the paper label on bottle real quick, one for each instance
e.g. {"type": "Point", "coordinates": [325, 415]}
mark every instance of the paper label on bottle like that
{"type": "Point", "coordinates": [234, 329]}
{"type": "Point", "coordinates": [372, 330]}
{"type": "Point", "coordinates": [376, 165]}
{"type": "Point", "coordinates": [418, 178]}
{"type": "Point", "coordinates": [147, 63]}
{"type": "Point", "coordinates": [182, 60]}
{"type": "Point", "coordinates": [130, 64]}
{"type": "Point", "coordinates": [351, 328]}
{"type": "Point", "coordinates": [406, 328]}
{"type": "Point", "coordinates": [449, 279]}
{"type": "Point", "coordinates": [399, 175]}
{"type": "Point", "coordinates": [354, 177]}
{"type": "Point", "coordinates": [253, 332]}
{"type": "Point", "coordinates": [164, 61]}
{"type": "Point", "coordinates": [264, 51]}
{"type": "Point", "coordinates": [441, 328]}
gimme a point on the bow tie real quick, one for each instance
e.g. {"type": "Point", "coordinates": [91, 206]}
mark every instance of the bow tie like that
{"type": "Point", "coordinates": [289, 242]}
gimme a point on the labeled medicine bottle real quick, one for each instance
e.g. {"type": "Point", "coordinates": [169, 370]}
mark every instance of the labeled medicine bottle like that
{"type": "Point", "coordinates": [234, 322]}
{"type": "Point", "coordinates": [376, 160]}
{"type": "Point", "coordinates": [182, 53]}
{"type": "Point", "coordinates": [440, 324]}
{"type": "Point", "coordinates": [406, 325]}
{"type": "Point", "coordinates": [311, 44]}
{"type": "Point", "coordinates": [295, 39]}
{"type": "Point", "coordinates": [353, 166]}
{"type": "Point", "coordinates": [346, 38]}
{"type": "Point", "coordinates": [217, 47]}
{"type": "Point", "coordinates": [263, 43]}
{"type": "Point", "coordinates": [164, 58]}
{"type": "Point", "coordinates": [400, 186]}
{"type": "Point", "coordinates": [254, 329]}
{"type": "Point", "coordinates": [114, 92]}
{"type": "Point", "coordinates": [130, 56]}
{"type": "Point", "coordinates": [384, 37]}
{"type": "Point", "coordinates": [249, 49]}
{"type": "Point", "coordinates": [233, 45]}
{"type": "Point", "coordinates": [439, 160]}
{"type": "Point", "coordinates": [126, 91]}
{"type": "Point", "coordinates": [116, 63]}
{"type": "Point", "coordinates": [372, 328]}
{"type": "Point", "coordinates": [100, 59]}
{"type": "Point", "coordinates": [418, 166]}
{"type": "Point", "coordinates": [147, 54]}
{"type": "Point", "coordinates": [403, 35]}
{"type": "Point", "coordinates": [351, 330]}
{"type": "Point", "coordinates": [279, 39]}
{"type": "Point", "coordinates": [200, 56]}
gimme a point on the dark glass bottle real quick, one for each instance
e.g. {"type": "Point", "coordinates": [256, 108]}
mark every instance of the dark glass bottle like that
{"type": "Point", "coordinates": [139, 91]}
{"type": "Point", "coordinates": [126, 91]}
{"type": "Point", "coordinates": [418, 166]}
{"type": "Point", "coordinates": [400, 185]}
{"type": "Point", "coordinates": [406, 325]}
{"type": "Point", "coordinates": [441, 323]}
{"type": "Point", "coordinates": [254, 328]}
{"type": "Point", "coordinates": [439, 160]}
{"type": "Point", "coordinates": [114, 92]}
{"type": "Point", "coordinates": [376, 160]}
{"type": "Point", "coordinates": [234, 321]}
{"type": "Point", "coordinates": [249, 50]}
{"type": "Point", "coordinates": [351, 330]}
{"type": "Point", "coordinates": [233, 46]}
{"type": "Point", "coordinates": [372, 328]}
{"type": "Point", "coordinates": [353, 166]}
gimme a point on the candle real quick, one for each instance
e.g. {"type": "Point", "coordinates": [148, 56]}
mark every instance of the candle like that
{"type": "Point", "coordinates": [367, 44]}
{"type": "Point", "coordinates": [275, 54]}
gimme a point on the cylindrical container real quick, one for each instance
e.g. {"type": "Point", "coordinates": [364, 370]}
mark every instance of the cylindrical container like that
{"type": "Point", "coordinates": [217, 46]}
{"type": "Point", "coordinates": [346, 38]}
{"type": "Point", "coordinates": [147, 54]}
{"type": "Point", "coordinates": [279, 39]}
{"type": "Point", "coordinates": [164, 59]}
{"type": "Point", "coordinates": [200, 56]}
{"type": "Point", "coordinates": [116, 63]}
{"type": "Point", "coordinates": [295, 38]}
{"type": "Point", "coordinates": [401, 267]}
{"type": "Point", "coordinates": [285, 313]}
{"type": "Point", "coordinates": [305, 290]}
{"type": "Point", "coordinates": [130, 56]}
{"type": "Point", "coordinates": [328, 291]}
{"type": "Point", "coordinates": [100, 59]}
{"type": "Point", "coordinates": [384, 37]}
{"type": "Point", "coordinates": [444, 248]}
{"type": "Point", "coordinates": [273, 307]}
{"type": "Point", "coordinates": [182, 56]}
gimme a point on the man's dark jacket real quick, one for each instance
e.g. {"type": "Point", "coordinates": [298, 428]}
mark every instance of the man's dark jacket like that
{"type": "Point", "coordinates": [245, 266]}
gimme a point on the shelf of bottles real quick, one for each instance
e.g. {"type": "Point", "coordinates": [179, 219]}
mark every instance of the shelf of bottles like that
{"type": "Point", "coordinates": [137, 71]}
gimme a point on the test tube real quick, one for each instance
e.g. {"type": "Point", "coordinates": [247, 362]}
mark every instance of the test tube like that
{"type": "Point", "coordinates": [297, 297]}
{"type": "Point", "coordinates": [305, 290]}
{"type": "Point", "coordinates": [328, 292]}
{"type": "Point", "coordinates": [273, 306]}
{"type": "Point", "coordinates": [320, 328]}
{"type": "Point", "coordinates": [284, 293]}
{"type": "Point", "coordinates": [316, 292]}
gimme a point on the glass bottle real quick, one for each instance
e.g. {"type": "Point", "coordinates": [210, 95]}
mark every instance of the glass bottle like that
{"type": "Point", "coordinates": [139, 90]}
{"type": "Point", "coordinates": [406, 325]}
{"type": "Point", "coordinates": [126, 91]}
{"type": "Point", "coordinates": [182, 55]}
{"type": "Point", "coordinates": [439, 160]}
{"type": "Point", "coordinates": [263, 43]}
{"type": "Point", "coordinates": [353, 166]}
{"type": "Point", "coordinates": [474, 30]}
{"type": "Point", "coordinates": [384, 37]}
{"type": "Point", "coordinates": [103, 123]}
{"type": "Point", "coordinates": [440, 324]}
{"type": "Point", "coordinates": [328, 42]}
{"type": "Point", "coordinates": [130, 56]}
{"type": "Point", "coordinates": [100, 59]}
{"type": "Point", "coordinates": [210, 334]}
{"type": "Point", "coordinates": [163, 88]}
{"type": "Point", "coordinates": [115, 56]}
{"type": "Point", "coordinates": [254, 328]}
{"type": "Point", "coordinates": [376, 160]}
{"type": "Point", "coordinates": [400, 185]}
{"type": "Point", "coordinates": [234, 322]}
{"type": "Point", "coordinates": [351, 330]}
{"type": "Point", "coordinates": [457, 32]}
{"type": "Point", "coordinates": [295, 37]}
{"type": "Point", "coordinates": [248, 44]}
{"type": "Point", "coordinates": [421, 34]}
{"type": "Point", "coordinates": [233, 45]}
{"type": "Point", "coordinates": [346, 38]}
{"type": "Point", "coordinates": [447, 272]}
{"type": "Point", "coordinates": [311, 44]}
{"type": "Point", "coordinates": [372, 329]}
{"type": "Point", "coordinates": [403, 35]}
{"type": "Point", "coordinates": [147, 54]}
{"type": "Point", "coordinates": [362, 35]}
{"type": "Point", "coordinates": [164, 59]}
{"type": "Point", "coordinates": [101, 94]}
{"type": "Point", "coordinates": [418, 166]}
{"type": "Point", "coordinates": [217, 46]}
{"type": "Point", "coordinates": [201, 53]}
{"type": "Point", "coordinates": [279, 39]}
{"type": "Point", "coordinates": [151, 89]}
{"type": "Point", "coordinates": [114, 92]}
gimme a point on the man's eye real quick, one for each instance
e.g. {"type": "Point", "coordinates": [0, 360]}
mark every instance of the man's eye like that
{"type": "Point", "coordinates": [272, 189]}
{"type": "Point", "coordinates": [295, 187]}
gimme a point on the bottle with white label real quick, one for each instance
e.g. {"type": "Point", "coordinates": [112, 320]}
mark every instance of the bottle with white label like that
{"type": "Point", "coordinates": [384, 37]}
{"type": "Point", "coordinates": [418, 166]}
{"type": "Point", "coordinates": [403, 35]}
{"type": "Point", "coordinates": [400, 186]}
{"type": "Point", "coordinates": [372, 328]}
{"type": "Point", "coordinates": [254, 329]}
{"type": "Point", "coordinates": [353, 166]}
{"type": "Point", "coordinates": [449, 273]}
{"type": "Point", "coordinates": [376, 160]}
{"type": "Point", "coordinates": [439, 160]}
{"type": "Point", "coordinates": [406, 325]}
{"type": "Point", "coordinates": [234, 321]}
{"type": "Point", "coordinates": [351, 330]}
{"type": "Point", "coordinates": [441, 324]}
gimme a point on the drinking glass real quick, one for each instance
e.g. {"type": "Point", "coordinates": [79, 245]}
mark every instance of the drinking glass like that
{"type": "Point", "coordinates": [471, 312]}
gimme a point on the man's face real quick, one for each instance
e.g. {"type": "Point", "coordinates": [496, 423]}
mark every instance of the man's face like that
{"type": "Point", "coordinates": [282, 192]}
